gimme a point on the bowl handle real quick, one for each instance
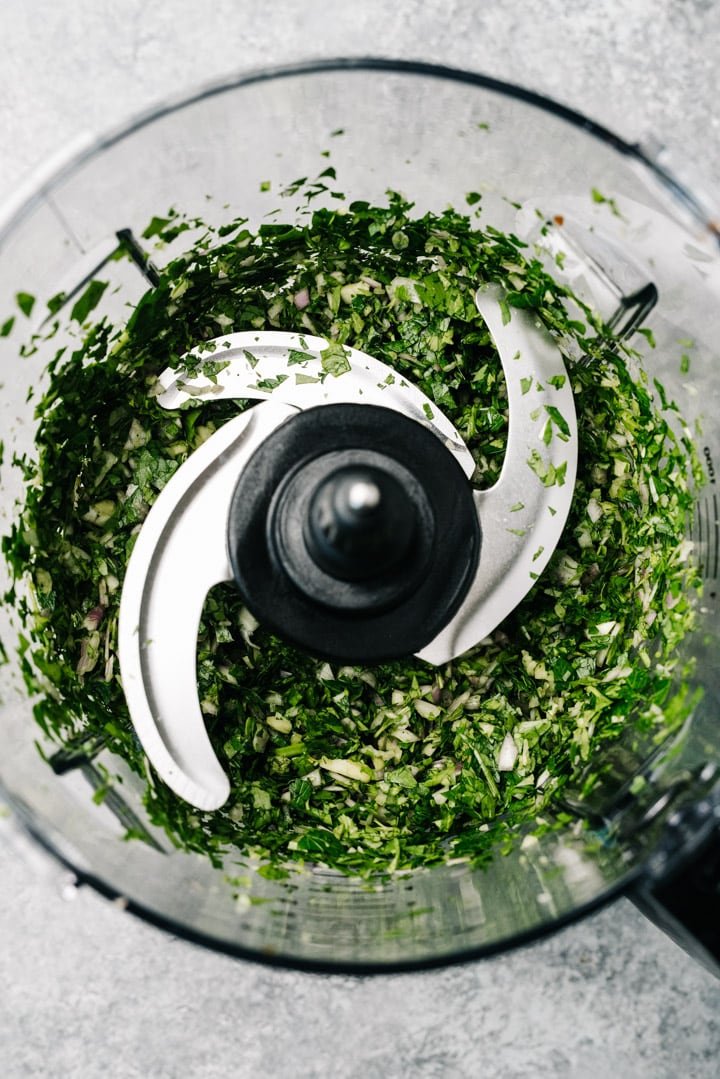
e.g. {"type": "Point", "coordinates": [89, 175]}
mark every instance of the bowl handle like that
{"type": "Point", "coordinates": [680, 888]}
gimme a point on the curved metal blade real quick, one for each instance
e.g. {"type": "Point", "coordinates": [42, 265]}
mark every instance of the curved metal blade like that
{"type": "Point", "coordinates": [179, 554]}
{"type": "Point", "coordinates": [303, 371]}
{"type": "Point", "coordinates": [523, 515]}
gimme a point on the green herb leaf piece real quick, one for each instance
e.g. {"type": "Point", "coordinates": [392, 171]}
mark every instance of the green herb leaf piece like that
{"type": "Point", "coordinates": [25, 302]}
{"type": "Point", "coordinates": [88, 301]}
{"type": "Point", "coordinates": [334, 359]}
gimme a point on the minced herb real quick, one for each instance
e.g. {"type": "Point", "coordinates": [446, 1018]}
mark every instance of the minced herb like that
{"type": "Point", "coordinates": [365, 770]}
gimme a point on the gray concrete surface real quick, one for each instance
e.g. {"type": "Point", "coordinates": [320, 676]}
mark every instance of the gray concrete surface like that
{"type": "Point", "coordinates": [86, 990]}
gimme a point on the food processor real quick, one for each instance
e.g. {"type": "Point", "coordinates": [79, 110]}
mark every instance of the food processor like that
{"type": "Point", "coordinates": [390, 526]}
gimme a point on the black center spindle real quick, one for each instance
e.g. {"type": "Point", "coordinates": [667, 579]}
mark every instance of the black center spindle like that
{"type": "Point", "coordinates": [360, 524]}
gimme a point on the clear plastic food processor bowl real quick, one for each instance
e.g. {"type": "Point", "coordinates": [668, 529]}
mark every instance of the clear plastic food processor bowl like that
{"type": "Point", "coordinates": [635, 243]}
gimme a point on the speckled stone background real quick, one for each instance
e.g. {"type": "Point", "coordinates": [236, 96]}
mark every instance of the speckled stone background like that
{"type": "Point", "coordinates": [86, 990]}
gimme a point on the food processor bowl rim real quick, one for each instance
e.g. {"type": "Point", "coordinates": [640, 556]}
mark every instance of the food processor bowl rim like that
{"type": "Point", "coordinates": [38, 185]}
{"type": "Point", "coordinates": [60, 166]}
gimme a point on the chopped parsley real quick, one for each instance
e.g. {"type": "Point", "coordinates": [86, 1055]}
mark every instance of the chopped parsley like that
{"type": "Point", "coordinates": [400, 765]}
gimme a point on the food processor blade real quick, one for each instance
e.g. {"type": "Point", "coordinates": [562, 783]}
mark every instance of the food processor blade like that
{"type": "Point", "coordinates": [181, 550]}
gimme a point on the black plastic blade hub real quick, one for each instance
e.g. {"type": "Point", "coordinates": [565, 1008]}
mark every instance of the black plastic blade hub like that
{"type": "Point", "coordinates": [353, 533]}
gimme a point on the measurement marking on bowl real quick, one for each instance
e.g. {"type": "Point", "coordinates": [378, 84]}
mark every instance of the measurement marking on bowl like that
{"type": "Point", "coordinates": [707, 535]}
